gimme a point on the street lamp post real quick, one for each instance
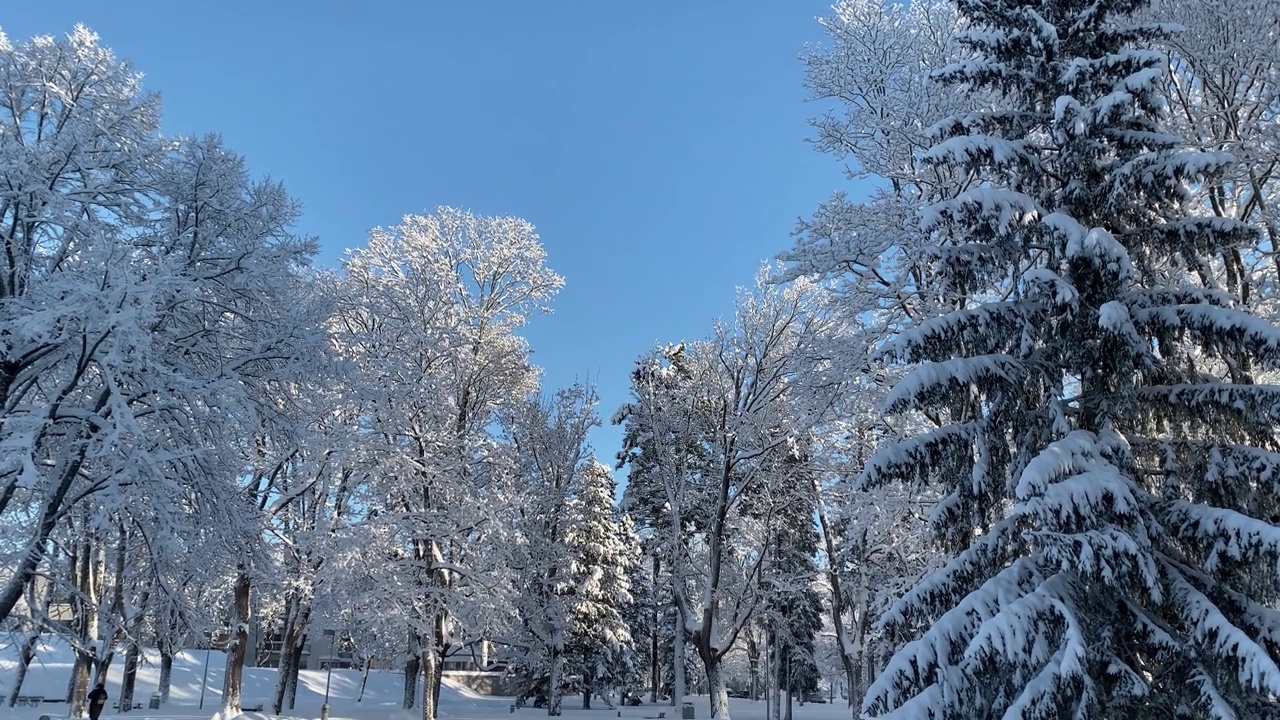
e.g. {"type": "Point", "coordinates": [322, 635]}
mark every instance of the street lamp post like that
{"type": "Point", "coordinates": [755, 669]}
{"type": "Point", "coordinates": [333, 640]}
{"type": "Point", "coordinates": [204, 681]}
{"type": "Point", "coordinates": [789, 685]}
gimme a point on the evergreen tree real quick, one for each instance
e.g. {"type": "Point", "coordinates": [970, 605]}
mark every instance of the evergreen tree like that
{"type": "Point", "coordinates": [549, 437]}
{"type": "Point", "coordinates": [661, 449]}
{"type": "Point", "coordinates": [602, 549]}
{"type": "Point", "coordinates": [639, 615]}
{"type": "Point", "coordinates": [792, 605]}
{"type": "Point", "coordinates": [1109, 463]}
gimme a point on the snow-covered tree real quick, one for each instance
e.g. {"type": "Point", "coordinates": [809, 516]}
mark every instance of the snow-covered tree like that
{"type": "Point", "coordinates": [602, 549]}
{"type": "Point", "coordinates": [430, 314]}
{"type": "Point", "coordinates": [549, 440]}
{"type": "Point", "coordinates": [660, 448]}
{"type": "Point", "coordinates": [790, 611]}
{"type": "Point", "coordinates": [877, 545]}
{"type": "Point", "coordinates": [76, 171]}
{"type": "Point", "coordinates": [1106, 457]}
{"type": "Point", "coordinates": [307, 534]}
{"type": "Point", "coordinates": [707, 426]}
{"type": "Point", "coordinates": [150, 321]}
{"type": "Point", "coordinates": [649, 618]}
{"type": "Point", "coordinates": [872, 75]}
{"type": "Point", "coordinates": [1224, 92]}
{"type": "Point", "coordinates": [874, 68]}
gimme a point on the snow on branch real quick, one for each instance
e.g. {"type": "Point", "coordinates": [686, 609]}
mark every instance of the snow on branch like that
{"type": "Point", "coordinates": [1019, 628]}
{"type": "Point", "coordinates": [1101, 247]}
{"type": "Point", "coordinates": [933, 382]}
{"type": "Point", "coordinates": [920, 706]}
{"type": "Point", "coordinates": [1163, 297]}
{"type": "Point", "coordinates": [982, 330]}
{"type": "Point", "coordinates": [1210, 628]}
{"type": "Point", "coordinates": [1000, 209]}
{"type": "Point", "coordinates": [1238, 466]}
{"type": "Point", "coordinates": [1225, 533]}
{"type": "Point", "coordinates": [1126, 64]}
{"type": "Point", "coordinates": [1155, 170]}
{"type": "Point", "coordinates": [1048, 286]}
{"type": "Point", "coordinates": [1263, 623]}
{"type": "Point", "coordinates": [919, 662]}
{"type": "Point", "coordinates": [993, 549]}
{"type": "Point", "coordinates": [1114, 318]}
{"type": "Point", "coordinates": [1039, 698]}
{"type": "Point", "coordinates": [1229, 329]}
{"type": "Point", "coordinates": [1208, 235]}
{"type": "Point", "coordinates": [1083, 496]}
{"type": "Point", "coordinates": [1109, 556]}
{"type": "Point", "coordinates": [915, 459]}
{"type": "Point", "coordinates": [1059, 459]}
{"type": "Point", "coordinates": [1214, 401]}
{"type": "Point", "coordinates": [975, 150]}
{"type": "Point", "coordinates": [1210, 697]}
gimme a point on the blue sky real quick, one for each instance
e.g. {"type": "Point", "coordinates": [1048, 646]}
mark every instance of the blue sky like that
{"type": "Point", "coordinates": [659, 147]}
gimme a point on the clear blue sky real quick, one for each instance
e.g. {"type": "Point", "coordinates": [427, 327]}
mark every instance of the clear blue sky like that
{"type": "Point", "coordinates": [658, 146]}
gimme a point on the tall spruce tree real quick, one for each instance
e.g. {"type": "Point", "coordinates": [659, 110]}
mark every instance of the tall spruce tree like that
{"type": "Point", "coordinates": [791, 604]}
{"type": "Point", "coordinates": [602, 549]}
{"type": "Point", "coordinates": [1108, 457]}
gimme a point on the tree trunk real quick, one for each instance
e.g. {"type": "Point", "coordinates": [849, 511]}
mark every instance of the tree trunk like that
{"type": "Point", "coordinates": [293, 680]}
{"type": "Point", "coordinates": [298, 614]}
{"type": "Point", "coordinates": [677, 663]}
{"type": "Point", "coordinates": [78, 688]}
{"type": "Point", "coordinates": [716, 686]}
{"type": "Point", "coordinates": [166, 671]}
{"type": "Point", "coordinates": [25, 654]}
{"type": "Point", "coordinates": [364, 679]}
{"type": "Point", "coordinates": [861, 655]}
{"type": "Point", "coordinates": [586, 691]}
{"type": "Point", "coordinates": [412, 668]}
{"type": "Point", "coordinates": [850, 679]}
{"type": "Point", "coordinates": [753, 661]}
{"type": "Point", "coordinates": [436, 675]}
{"type": "Point", "coordinates": [86, 607]}
{"type": "Point", "coordinates": [38, 597]}
{"type": "Point", "coordinates": [237, 647]}
{"type": "Point", "coordinates": [100, 668]}
{"type": "Point", "coordinates": [776, 681]}
{"type": "Point", "coordinates": [130, 677]}
{"type": "Point", "coordinates": [865, 673]}
{"type": "Point", "coordinates": [768, 676]}
{"type": "Point", "coordinates": [556, 678]}
{"type": "Point", "coordinates": [790, 695]}
{"type": "Point", "coordinates": [834, 579]}
{"type": "Point", "coordinates": [116, 622]}
{"type": "Point", "coordinates": [285, 669]}
{"type": "Point", "coordinates": [430, 698]}
{"type": "Point", "coordinates": [655, 674]}
{"type": "Point", "coordinates": [50, 515]}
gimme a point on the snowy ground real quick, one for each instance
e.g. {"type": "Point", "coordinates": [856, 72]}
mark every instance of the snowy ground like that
{"type": "Point", "coordinates": [382, 696]}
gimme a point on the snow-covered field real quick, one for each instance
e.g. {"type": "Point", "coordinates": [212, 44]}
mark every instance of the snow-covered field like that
{"type": "Point", "coordinates": [382, 695]}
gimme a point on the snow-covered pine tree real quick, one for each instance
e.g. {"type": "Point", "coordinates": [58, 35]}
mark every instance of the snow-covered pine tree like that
{"type": "Point", "coordinates": [791, 604]}
{"type": "Point", "coordinates": [1109, 461]}
{"type": "Point", "coordinates": [660, 447]}
{"type": "Point", "coordinates": [602, 547]}
{"type": "Point", "coordinates": [549, 438]}
{"type": "Point", "coordinates": [651, 619]}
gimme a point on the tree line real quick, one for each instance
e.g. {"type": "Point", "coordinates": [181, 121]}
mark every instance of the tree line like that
{"type": "Point", "coordinates": [996, 440]}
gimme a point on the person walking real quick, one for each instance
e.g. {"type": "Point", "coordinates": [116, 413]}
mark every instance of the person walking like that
{"type": "Point", "coordinates": [97, 700]}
